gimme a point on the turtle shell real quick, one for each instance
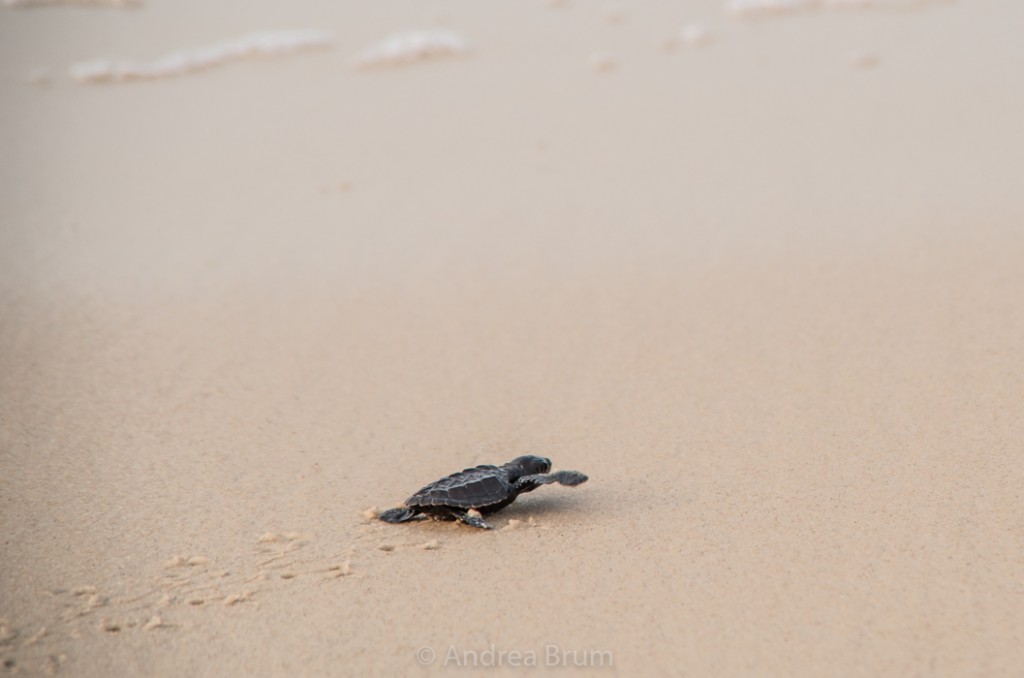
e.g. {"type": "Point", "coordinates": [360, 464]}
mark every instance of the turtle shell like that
{"type": "Point", "coordinates": [477, 487]}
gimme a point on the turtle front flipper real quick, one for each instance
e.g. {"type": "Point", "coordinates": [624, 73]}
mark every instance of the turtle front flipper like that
{"type": "Point", "coordinates": [567, 478]}
{"type": "Point", "coordinates": [570, 478]}
{"type": "Point", "coordinates": [471, 518]}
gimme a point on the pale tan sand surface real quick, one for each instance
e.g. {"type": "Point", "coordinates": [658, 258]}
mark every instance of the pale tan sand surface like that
{"type": "Point", "coordinates": [773, 305]}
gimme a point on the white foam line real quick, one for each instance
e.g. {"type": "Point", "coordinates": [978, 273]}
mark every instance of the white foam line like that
{"type": "Point", "coordinates": [117, 4]}
{"type": "Point", "coordinates": [264, 43]}
{"type": "Point", "coordinates": [754, 9]}
{"type": "Point", "coordinates": [411, 46]}
{"type": "Point", "coordinates": [760, 8]}
{"type": "Point", "coordinates": [695, 35]}
{"type": "Point", "coordinates": [881, 4]}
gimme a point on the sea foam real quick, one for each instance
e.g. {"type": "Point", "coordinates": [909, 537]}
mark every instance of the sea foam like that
{"type": "Point", "coordinates": [411, 46]}
{"type": "Point", "coordinates": [753, 9]}
{"type": "Point", "coordinates": [182, 62]}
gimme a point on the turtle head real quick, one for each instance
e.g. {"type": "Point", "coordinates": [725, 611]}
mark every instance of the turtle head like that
{"type": "Point", "coordinates": [527, 466]}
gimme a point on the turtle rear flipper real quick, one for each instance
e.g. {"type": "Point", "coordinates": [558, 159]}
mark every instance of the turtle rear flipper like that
{"type": "Point", "coordinates": [398, 515]}
{"type": "Point", "coordinates": [471, 518]}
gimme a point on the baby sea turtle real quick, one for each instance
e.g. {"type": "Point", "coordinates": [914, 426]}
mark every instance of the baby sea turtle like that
{"type": "Point", "coordinates": [465, 495]}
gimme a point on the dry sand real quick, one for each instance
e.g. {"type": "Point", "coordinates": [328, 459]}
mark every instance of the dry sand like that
{"type": "Point", "coordinates": [771, 303]}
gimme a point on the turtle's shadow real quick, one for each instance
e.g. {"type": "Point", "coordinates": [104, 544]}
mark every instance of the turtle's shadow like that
{"type": "Point", "coordinates": [527, 507]}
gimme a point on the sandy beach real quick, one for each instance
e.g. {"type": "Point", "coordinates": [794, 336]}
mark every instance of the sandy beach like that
{"type": "Point", "coordinates": [268, 267]}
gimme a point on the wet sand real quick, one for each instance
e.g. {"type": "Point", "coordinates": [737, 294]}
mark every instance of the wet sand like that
{"type": "Point", "coordinates": [764, 287]}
